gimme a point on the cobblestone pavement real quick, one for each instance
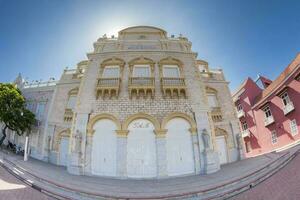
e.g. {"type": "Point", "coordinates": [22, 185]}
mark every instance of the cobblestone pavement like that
{"type": "Point", "coordinates": [284, 185]}
{"type": "Point", "coordinates": [12, 188]}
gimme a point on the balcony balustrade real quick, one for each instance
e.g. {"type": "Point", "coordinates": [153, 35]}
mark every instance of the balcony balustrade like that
{"type": "Point", "coordinates": [141, 86]}
{"type": "Point", "coordinates": [216, 114]}
{"type": "Point", "coordinates": [269, 120]}
{"type": "Point", "coordinates": [288, 108]}
{"type": "Point", "coordinates": [245, 133]}
{"type": "Point", "coordinates": [240, 113]}
{"type": "Point", "coordinates": [68, 116]}
{"type": "Point", "coordinates": [175, 87]}
{"type": "Point", "coordinates": [108, 87]}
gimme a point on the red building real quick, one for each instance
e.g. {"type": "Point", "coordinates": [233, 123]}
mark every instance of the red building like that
{"type": "Point", "coordinates": [269, 111]}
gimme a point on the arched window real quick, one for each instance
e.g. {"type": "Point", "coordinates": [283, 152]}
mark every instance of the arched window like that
{"type": "Point", "coordinates": [108, 83]}
{"type": "Point", "coordinates": [71, 104]}
{"type": "Point", "coordinates": [214, 104]}
{"type": "Point", "coordinates": [141, 77]}
{"type": "Point", "coordinates": [172, 79]}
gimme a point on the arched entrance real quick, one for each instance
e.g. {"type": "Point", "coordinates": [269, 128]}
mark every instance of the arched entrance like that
{"type": "Point", "coordinates": [63, 150]}
{"type": "Point", "coordinates": [180, 156]}
{"type": "Point", "coordinates": [104, 147]}
{"type": "Point", "coordinates": [221, 144]}
{"type": "Point", "coordinates": [141, 149]}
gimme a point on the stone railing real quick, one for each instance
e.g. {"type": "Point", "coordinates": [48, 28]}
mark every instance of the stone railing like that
{"type": "Point", "coordinates": [245, 133]}
{"type": "Point", "coordinates": [108, 87]}
{"type": "Point", "coordinates": [288, 108]}
{"type": "Point", "coordinates": [173, 87]}
{"type": "Point", "coordinates": [240, 113]}
{"type": "Point", "coordinates": [216, 114]}
{"type": "Point", "coordinates": [269, 120]}
{"type": "Point", "coordinates": [68, 116]}
{"type": "Point", "coordinates": [141, 86]}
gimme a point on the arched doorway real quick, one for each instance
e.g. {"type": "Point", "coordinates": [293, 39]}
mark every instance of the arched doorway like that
{"type": "Point", "coordinates": [221, 144]}
{"type": "Point", "coordinates": [141, 149]}
{"type": "Point", "coordinates": [180, 156]}
{"type": "Point", "coordinates": [63, 150]}
{"type": "Point", "coordinates": [104, 148]}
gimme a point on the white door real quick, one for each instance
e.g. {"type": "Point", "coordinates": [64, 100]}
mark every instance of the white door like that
{"type": "Point", "coordinates": [180, 157]}
{"type": "Point", "coordinates": [104, 148]}
{"type": "Point", "coordinates": [141, 150]}
{"type": "Point", "coordinates": [222, 149]}
{"type": "Point", "coordinates": [63, 151]}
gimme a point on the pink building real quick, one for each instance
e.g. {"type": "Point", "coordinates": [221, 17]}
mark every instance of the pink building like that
{"type": "Point", "coordinates": [269, 111]}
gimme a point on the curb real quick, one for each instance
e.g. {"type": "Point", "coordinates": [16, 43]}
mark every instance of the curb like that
{"type": "Point", "coordinates": [226, 194]}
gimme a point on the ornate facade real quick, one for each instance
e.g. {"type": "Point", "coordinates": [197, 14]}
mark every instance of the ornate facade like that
{"type": "Point", "coordinates": [141, 106]}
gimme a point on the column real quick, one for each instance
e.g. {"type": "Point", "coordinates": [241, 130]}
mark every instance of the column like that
{"type": "Point", "coordinates": [78, 140]}
{"type": "Point", "coordinates": [161, 154]}
{"type": "Point", "coordinates": [122, 153]}
{"type": "Point", "coordinates": [196, 150]}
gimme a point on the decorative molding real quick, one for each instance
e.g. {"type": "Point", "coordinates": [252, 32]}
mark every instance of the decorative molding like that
{"type": "Point", "coordinates": [141, 86]}
{"type": "Point", "coordinates": [93, 120]}
{"type": "Point", "coordinates": [173, 115]}
{"type": "Point", "coordinates": [131, 118]}
{"type": "Point", "coordinates": [172, 86]}
{"type": "Point", "coordinates": [122, 133]}
{"type": "Point", "coordinates": [160, 133]}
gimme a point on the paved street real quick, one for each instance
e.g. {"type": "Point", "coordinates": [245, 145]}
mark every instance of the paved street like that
{"type": "Point", "coordinates": [13, 189]}
{"type": "Point", "coordinates": [284, 185]}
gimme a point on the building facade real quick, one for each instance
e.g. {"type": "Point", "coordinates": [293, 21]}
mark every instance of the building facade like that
{"type": "Point", "coordinates": [269, 111]}
{"type": "Point", "coordinates": [140, 106]}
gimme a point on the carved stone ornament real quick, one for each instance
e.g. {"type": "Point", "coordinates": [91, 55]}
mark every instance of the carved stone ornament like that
{"type": "Point", "coordinates": [206, 138]}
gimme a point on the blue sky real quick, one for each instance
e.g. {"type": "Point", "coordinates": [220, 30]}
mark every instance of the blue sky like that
{"type": "Point", "coordinates": [39, 38]}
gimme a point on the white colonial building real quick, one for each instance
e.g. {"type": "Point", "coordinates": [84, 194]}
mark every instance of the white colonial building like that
{"type": "Point", "coordinates": [140, 106]}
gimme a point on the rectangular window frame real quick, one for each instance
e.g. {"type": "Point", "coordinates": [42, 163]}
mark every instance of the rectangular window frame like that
{"type": "Point", "coordinates": [216, 102]}
{"type": "Point", "coordinates": [40, 115]}
{"type": "Point", "coordinates": [274, 138]}
{"type": "Point", "coordinates": [285, 98]}
{"type": "Point", "coordinates": [244, 126]}
{"type": "Point", "coordinates": [111, 67]}
{"type": "Point", "coordinates": [141, 66]}
{"type": "Point", "coordinates": [267, 112]}
{"type": "Point", "coordinates": [294, 127]}
{"type": "Point", "coordinates": [239, 107]}
{"type": "Point", "coordinates": [170, 66]}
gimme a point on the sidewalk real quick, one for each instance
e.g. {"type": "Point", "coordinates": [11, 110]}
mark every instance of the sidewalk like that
{"type": "Point", "coordinates": [158, 188]}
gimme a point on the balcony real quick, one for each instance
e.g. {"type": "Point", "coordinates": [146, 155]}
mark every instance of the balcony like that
{"type": "Point", "coordinates": [216, 114]}
{"type": "Point", "coordinates": [173, 87]}
{"type": "Point", "coordinates": [269, 120]}
{"type": "Point", "coordinates": [141, 86]}
{"type": "Point", "coordinates": [288, 108]}
{"type": "Point", "coordinates": [108, 87]}
{"type": "Point", "coordinates": [246, 133]}
{"type": "Point", "coordinates": [240, 114]}
{"type": "Point", "coordinates": [68, 116]}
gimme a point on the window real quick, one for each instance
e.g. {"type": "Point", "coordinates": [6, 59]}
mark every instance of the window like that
{"type": "Point", "coordinates": [141, 71]}
{"type": "Point", "coordinates": [294, 127]}
{"type": "Point", "coordinates": [274, 137]}
{"type": "Point", "coordinates": [202, 68]}
{"type": "Point", "coordinates": [267, 112]}
{"type": "Point", "coordinates": [212, 100]}
{"type": "Point", "coordinates": [285, 99]}
{"type": "Point", "coordinates": [239, 107]}
{"type": "Point", "coordinates": [244, 126]}
{"type": "Point", "coordinates": [248, 146]}
{"type": "Point", "coordinates": [111, 72]}
{"type": "Point", "coordinates": [30, 106]}
{"type": "Point", "coordinates": [40, 109]}
{"type": "Point", "coordinates": [71, 102]}
{"type": "Point", "coordinates": [171, 71]}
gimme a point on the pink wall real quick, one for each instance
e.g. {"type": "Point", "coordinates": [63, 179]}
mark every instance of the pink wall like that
{"type": "Point", "coordinates": [260, 138]}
